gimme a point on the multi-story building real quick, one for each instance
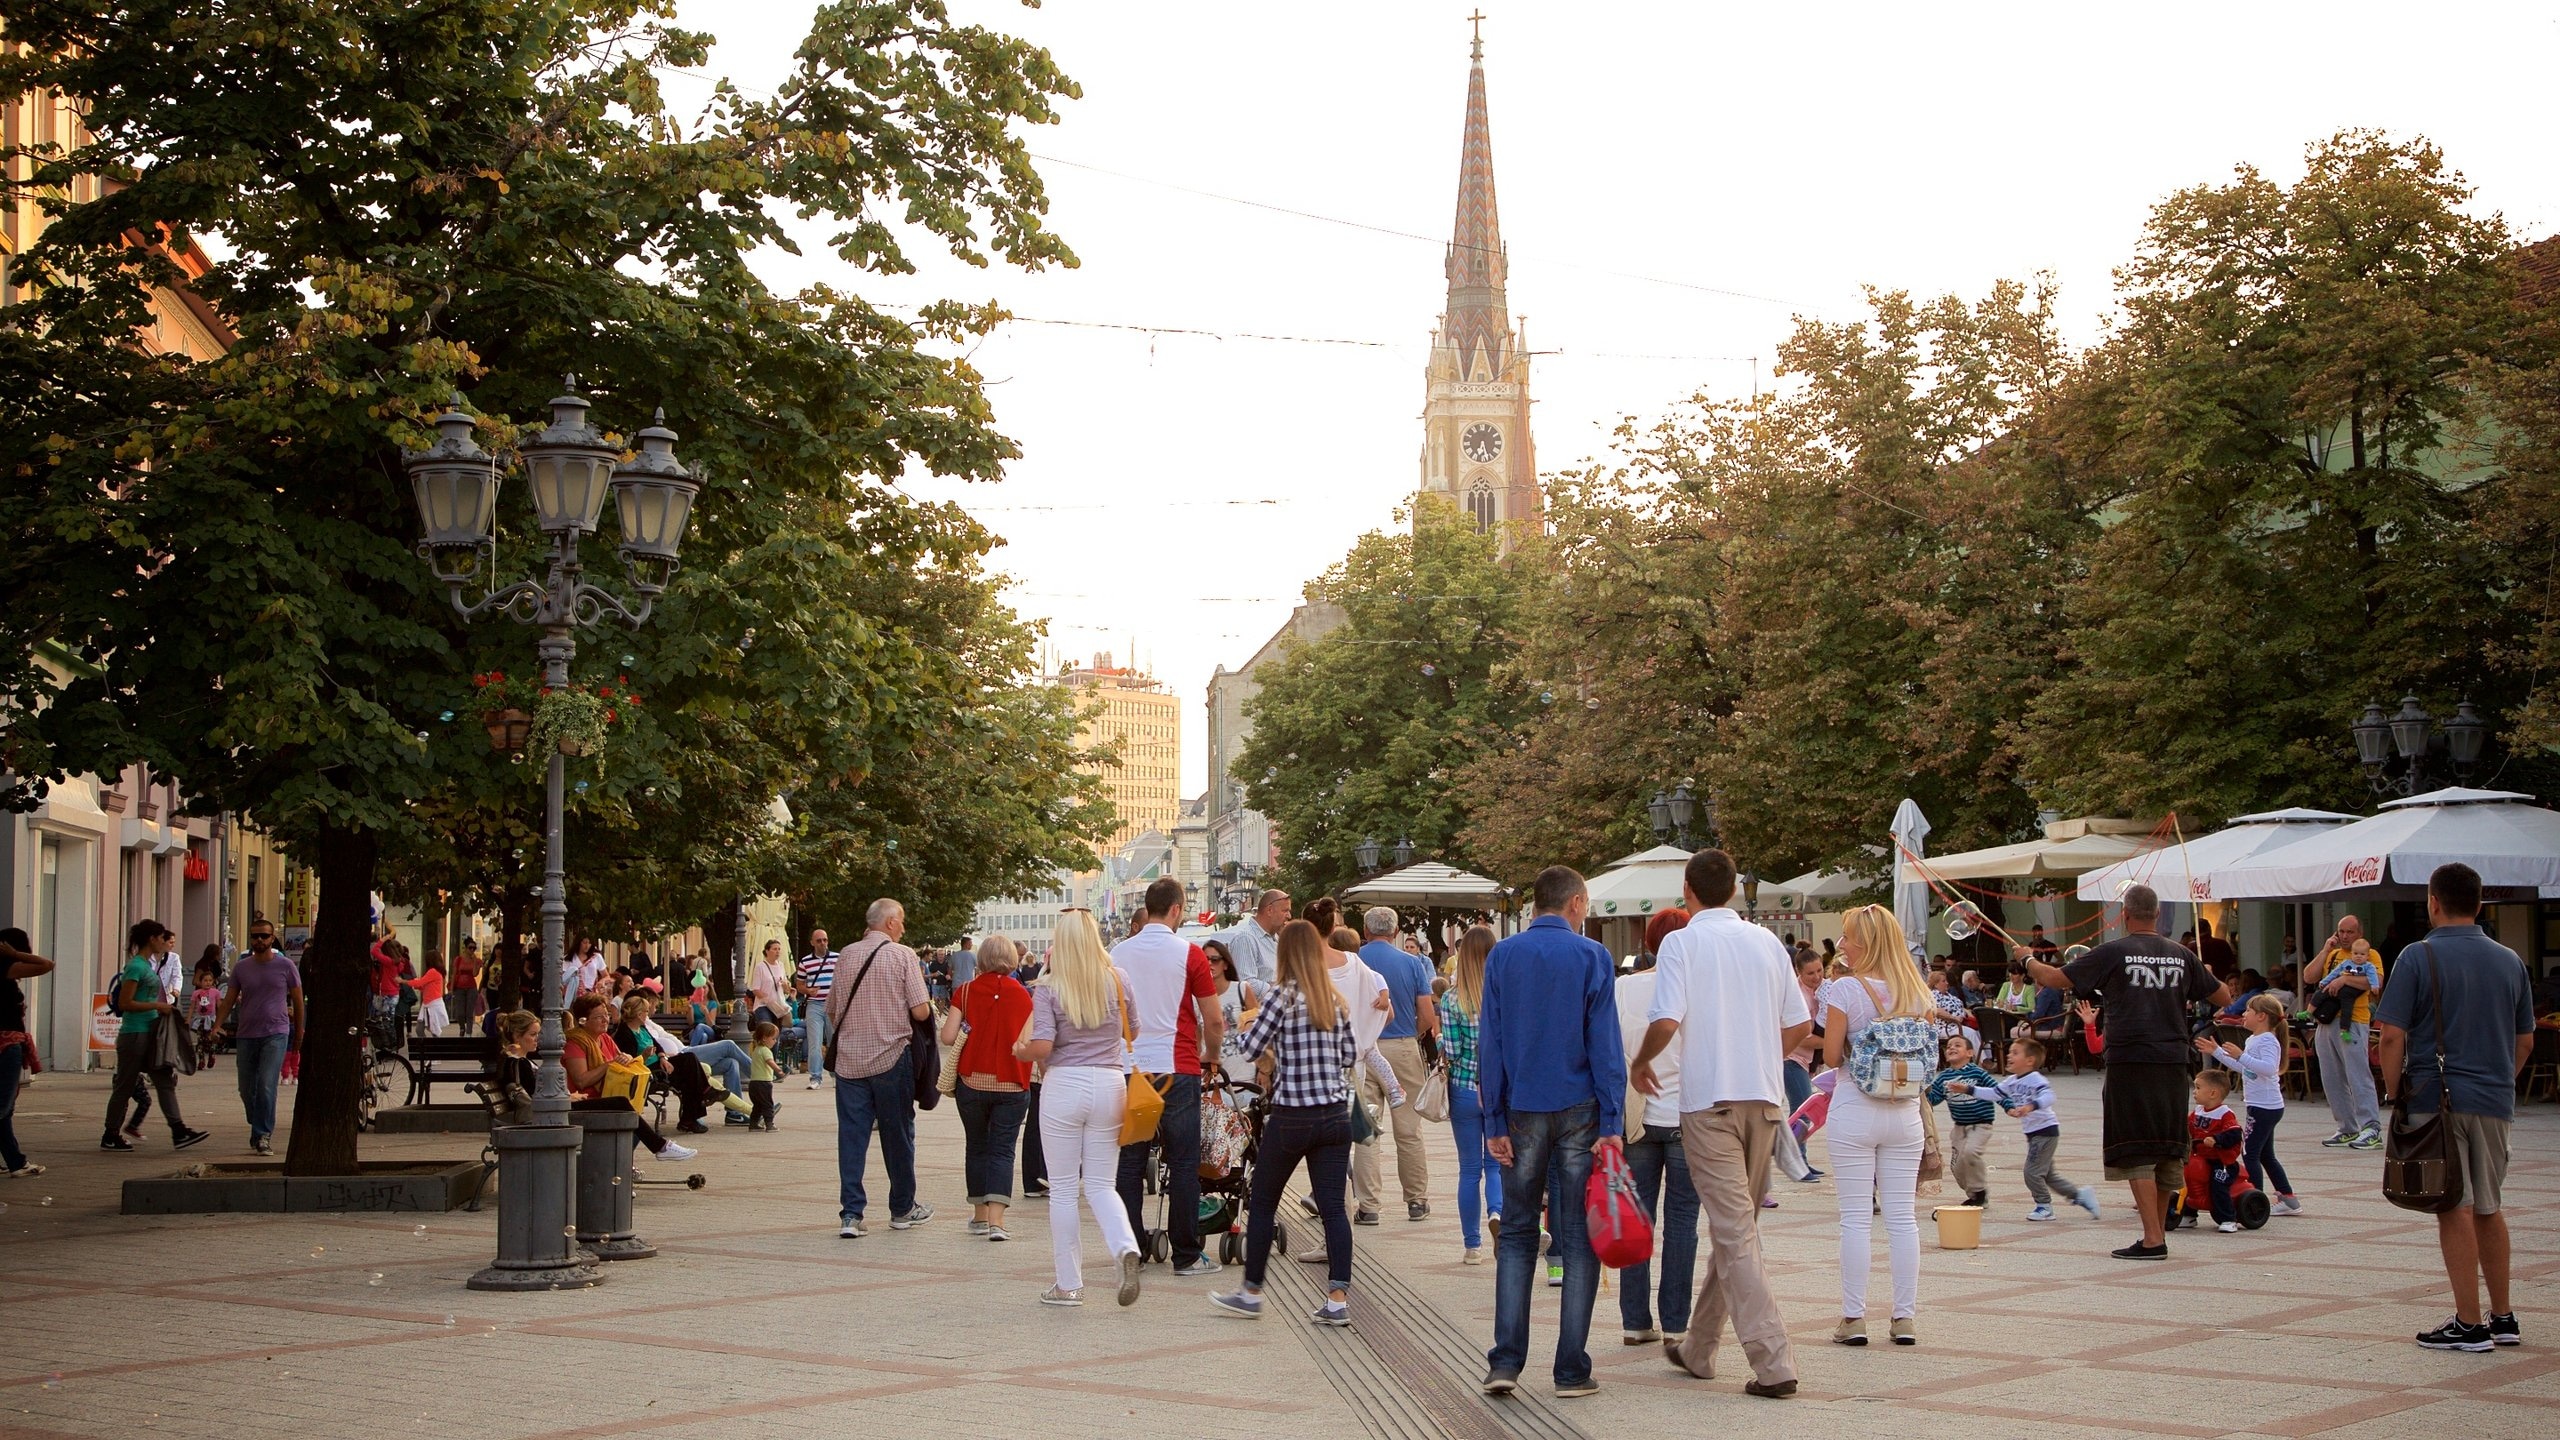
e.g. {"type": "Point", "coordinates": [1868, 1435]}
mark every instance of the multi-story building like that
{"type": "Point", "coordinates": [1126, 710]}
{"type": "Point", "coordinates": [101, 852]}
{"type": "Point", "coordinates": [1240, 839]}
{"type": "Point", "coordinates": [1191, 856]}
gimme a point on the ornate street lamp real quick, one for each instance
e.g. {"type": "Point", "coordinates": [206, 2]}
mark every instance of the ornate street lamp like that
{"type": "Point", "coordinates": [1366, 853]}
{"type": "Point", "coordinates": [1404, 853]}
{"type": "Point", "coordinates": [1684, 808]}
{"type": "Point", "coordinates": [1658, 810]}
{"type": "Point", "coordinates": [570, 468]}
{"type": "Point", "coordinates": [2395, 748]}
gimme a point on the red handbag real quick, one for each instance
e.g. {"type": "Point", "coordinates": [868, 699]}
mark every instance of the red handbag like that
{"type": "Point", "coordinates": [1614, 1214]}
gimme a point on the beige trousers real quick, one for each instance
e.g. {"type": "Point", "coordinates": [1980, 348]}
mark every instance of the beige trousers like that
{"type": "Point", "coordinates": [1413, 1167]}
{"type": "Point", "coordinates": [1729, 1150]}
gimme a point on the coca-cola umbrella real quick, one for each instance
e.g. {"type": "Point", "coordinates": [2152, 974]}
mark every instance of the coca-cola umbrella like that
{"type": "Point", "coordinates": [2167, 869]}
{"type": "Point", "coordinates": [2509, 838]}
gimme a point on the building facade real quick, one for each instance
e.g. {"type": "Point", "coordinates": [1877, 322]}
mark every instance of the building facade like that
{"type": "Point", "coordinates": [101, 852]}
{"type": "Point", "coordinates": [1241, 842]}
{"type": "Point", "coordinates": [1126, 709]}
{"type": "Point", "coordinates": [1476, 450]}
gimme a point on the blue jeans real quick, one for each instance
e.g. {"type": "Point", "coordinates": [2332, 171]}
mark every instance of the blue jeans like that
{"type": "Point", "coordinates": [992, 1121]}
{"type": "Point", "coordinates": [1179, 1134]}
{"type": "Point", "coordinates": [724, 1059]}
{"type": "Point", "coordinates": [1799, 1087]}
{"type": "Point", "coordinates": [2258, 1152]}
{"type": "Point", "coordinates": [1545, 1143]}
{"type": "Point", "coordinates": [1320, 1135]}
{"type": "Point", "coordinates": [1661, 1169]}
{"type": "Point", "coordinates": [261, 1062]}
{"type": "Point", "coordinates": [885, 1102]}
{"type": "Point", "coordinates": [1479, 1179]}
{"type": "Point", "coordinates": [813, 1029]}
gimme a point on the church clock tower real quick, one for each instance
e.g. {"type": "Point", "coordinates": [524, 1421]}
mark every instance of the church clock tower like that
{"type": "Point", "coordinates": [1476, 451]}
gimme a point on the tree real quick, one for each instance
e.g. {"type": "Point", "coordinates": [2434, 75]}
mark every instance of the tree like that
{"type": "Point", "coordinates": [2298, 455]}
{"type": "Point", "coordinates": [481, 195]}
{"type": "Point", "coordinates": [1360, 734]}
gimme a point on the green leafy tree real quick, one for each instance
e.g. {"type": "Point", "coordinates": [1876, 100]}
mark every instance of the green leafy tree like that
{"type": "Point", "coordinates": [481, 195]}
{"type": "Point", "coordinates": [2300, 452]}
{"type": "Point", "coordinates": [1361, 733]}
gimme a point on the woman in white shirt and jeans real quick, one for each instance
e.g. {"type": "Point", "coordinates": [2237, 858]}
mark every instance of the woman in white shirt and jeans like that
{"type": "Point", "coordinates": [1875, 1144]}
{"type": "Point", "coordinates": [1077, 1038]}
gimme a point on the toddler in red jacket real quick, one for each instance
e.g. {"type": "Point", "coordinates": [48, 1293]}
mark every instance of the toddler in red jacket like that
{"type": "Point", "coordinates": [2213, 1159]}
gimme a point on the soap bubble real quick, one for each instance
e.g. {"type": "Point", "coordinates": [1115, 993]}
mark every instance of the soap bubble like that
{"type": "Point", "coordinates": [444, 715]}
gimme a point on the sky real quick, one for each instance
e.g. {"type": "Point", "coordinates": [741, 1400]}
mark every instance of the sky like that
{"type": "Point", "coordinates": [1676, 181]}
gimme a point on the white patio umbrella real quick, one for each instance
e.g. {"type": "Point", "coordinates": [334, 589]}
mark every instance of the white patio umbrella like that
{"type": "Point", "coordinates": [1910, 891]}
{"type": "Point", "coordinates": [1429, 883]}
{"type": "Point", "coordinates": [2167, 869]}
{"type": "Point", "coordinates": [2512, 841]}
{"type": "Point", "coordinates": [1639, 884]}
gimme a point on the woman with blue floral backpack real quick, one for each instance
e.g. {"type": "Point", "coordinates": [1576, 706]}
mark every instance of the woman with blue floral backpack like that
{"type": "Point", "coordinates": [1877, 1029]}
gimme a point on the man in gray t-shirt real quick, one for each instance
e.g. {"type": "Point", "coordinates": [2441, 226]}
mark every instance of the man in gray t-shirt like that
{"type": "Point", "coordinates": [264, 1004]}
{"type": "Point", "coordinates": [2460, 1002]}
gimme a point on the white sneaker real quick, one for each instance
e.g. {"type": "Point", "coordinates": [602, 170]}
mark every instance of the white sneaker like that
{"type": "Point", "coordinates": [2229, 1227]}
{"type": "Point", "coordinates": [996, 1232]}
{"type": "Point", "coordinates": [813, 1082]}
{"type": "Point", "coordinates": [2288, 1205]}
{"type": "Point", "coordinates": [979, 1227]}
{"type": "Point", "coordinates": [675, 1154]}
{"type": "Point", "coordinates": [1202, 1266]}
{"type": "Point", "coordinates": [2041, 1212]}
{"type": "Point", "coordinates": [917, 1214]}
{"type": "Point", "coordinates": [851, 1230]}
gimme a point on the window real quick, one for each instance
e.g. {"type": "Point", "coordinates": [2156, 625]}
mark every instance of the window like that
{"type": "Point", "coordinates": [1480, 506]}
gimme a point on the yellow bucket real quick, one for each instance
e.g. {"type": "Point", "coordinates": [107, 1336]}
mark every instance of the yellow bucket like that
{"type": "Point", "coordinates": [1959, 1227]}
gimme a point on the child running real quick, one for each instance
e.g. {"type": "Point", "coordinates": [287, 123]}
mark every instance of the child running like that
{"type": "Point", "coordinates": [1971, 1114]}
{"type": "Point", "coordinates": [2215, 1134]}
{"type": "Point", "coordinates": [2027, 1095]}
{"type": "Point", "coordinates": [2261, 1067]}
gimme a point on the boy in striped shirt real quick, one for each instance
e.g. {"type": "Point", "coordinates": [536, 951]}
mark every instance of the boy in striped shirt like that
{"type": "Point", "coordinates": [1971, 1114]}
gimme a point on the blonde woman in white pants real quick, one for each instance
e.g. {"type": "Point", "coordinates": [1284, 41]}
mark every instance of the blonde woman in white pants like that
{"type": "Point", "coordinates": [1875, 1144]}
{"type": "Point", "coordinates": [1078, 1037]}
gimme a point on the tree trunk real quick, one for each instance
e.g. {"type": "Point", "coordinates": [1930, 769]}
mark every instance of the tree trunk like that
{"type": "Point", "coordinates": [720, 935]}
{"type": "Point", "coordinates": [337, 979]}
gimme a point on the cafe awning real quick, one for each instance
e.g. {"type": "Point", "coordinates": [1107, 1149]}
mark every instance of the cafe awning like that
{"type": "Point", "coordinates": [1638, 885]}
{"type": "Point", "coordinates": [2509, 838]}
{"type": "Point", "coordinates": [2067, 848]}
{"type": "Point", "coordinates": [2167, 869]}
{"type": "Point", "coordinates": [1429, 883]}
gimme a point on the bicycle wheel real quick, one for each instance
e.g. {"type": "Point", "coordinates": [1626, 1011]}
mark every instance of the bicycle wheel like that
{"type": "Point", "coordinates": [395, 1080]}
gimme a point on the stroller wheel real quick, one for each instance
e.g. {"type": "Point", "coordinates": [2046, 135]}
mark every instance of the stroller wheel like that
{"type": "Point", "coordinates": [2254, 1209]}
{"type": "Point", "coordinates": [1229, 1252]}
{"type": "Point", "coordinates": [1160, 1246]}
{"type": "Point", "coordinates": [1280, 1236]}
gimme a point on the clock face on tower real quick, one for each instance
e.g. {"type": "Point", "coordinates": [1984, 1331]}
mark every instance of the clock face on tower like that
{"type": "Point", "coordinates": [1483, 443]}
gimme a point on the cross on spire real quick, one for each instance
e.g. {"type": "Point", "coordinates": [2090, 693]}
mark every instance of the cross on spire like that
{"type": "Point", "coordinates": [1477, 20]}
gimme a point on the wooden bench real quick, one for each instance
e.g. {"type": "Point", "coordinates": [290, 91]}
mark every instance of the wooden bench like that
{"type": "Point", "coordinates": [448, 1058]}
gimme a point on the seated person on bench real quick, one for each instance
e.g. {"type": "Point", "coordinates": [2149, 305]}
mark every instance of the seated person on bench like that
{"type": "Point", "coordinates": [588, 1049]}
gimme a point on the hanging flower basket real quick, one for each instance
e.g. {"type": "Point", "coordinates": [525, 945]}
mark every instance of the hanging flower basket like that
{"type": "Point", "coordinates": [501, 702]}
{"type": "Point", "coordinates": [578, 720]}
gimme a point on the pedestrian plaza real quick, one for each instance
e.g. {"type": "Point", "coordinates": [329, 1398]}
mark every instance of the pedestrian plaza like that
{"type": "Point", "coordinates": [754, 1314]}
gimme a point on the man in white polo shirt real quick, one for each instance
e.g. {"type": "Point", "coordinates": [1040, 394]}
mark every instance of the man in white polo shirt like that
{"type": "Point", "coordinates": [1174, 1000]}
{"type": "Point", "coordinates": [1727, 991]}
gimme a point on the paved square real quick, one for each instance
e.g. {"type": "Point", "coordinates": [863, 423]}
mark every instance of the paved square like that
{"type": "Point", "coordinates": [755, 1314]}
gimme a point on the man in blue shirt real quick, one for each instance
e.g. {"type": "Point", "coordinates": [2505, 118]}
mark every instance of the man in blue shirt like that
{"type": "Point", "coordinates": [1408, 978]}
{"type": "Point", "coordinates": [2455, 1026]}
{"type": "Point", "coordinates": [1553, 1075]}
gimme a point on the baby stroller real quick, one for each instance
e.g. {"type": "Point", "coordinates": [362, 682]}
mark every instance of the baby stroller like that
{"type": "Point", "coordinates": [1231, 1117]}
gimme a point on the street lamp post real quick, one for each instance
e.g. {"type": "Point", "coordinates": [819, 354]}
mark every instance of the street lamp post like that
{"type": "Point", "coordinates": [570, 467]}
{"type": "Point", "coordinates": [1670, 811]}
{"type": "Point", "coordinates": [2395, 749]}
{"type": "Point", "coordinates": [1366, 853]}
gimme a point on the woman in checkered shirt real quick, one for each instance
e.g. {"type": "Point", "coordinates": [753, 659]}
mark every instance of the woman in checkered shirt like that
{"type": "Point", "coordinates": [1304, 1026]}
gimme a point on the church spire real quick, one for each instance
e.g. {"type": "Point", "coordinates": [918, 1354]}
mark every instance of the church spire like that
{"type": "Point", "coordinates": [1477, 325]}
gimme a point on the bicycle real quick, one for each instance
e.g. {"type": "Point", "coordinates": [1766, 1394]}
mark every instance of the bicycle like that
{"type": "Point", "coordinates": [382, 1065]}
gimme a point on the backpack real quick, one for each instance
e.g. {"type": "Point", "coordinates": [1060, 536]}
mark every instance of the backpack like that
{"type": "Point", "coordinates": [1894, 1058]}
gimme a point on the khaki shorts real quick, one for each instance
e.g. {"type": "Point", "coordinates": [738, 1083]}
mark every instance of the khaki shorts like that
{"type": "Point", "coordinates": [2480, 1153]}
{"type": "Point", "coordinates": [2167, 1174]}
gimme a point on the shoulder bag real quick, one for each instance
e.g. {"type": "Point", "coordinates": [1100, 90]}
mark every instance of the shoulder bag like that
{"type": "Point", "coordinates": [1432, 1103]}
{"type": "Point", "coordinates": [1145, 1110]}
{"type": "Point", "coordinates": [2418, 1169]}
